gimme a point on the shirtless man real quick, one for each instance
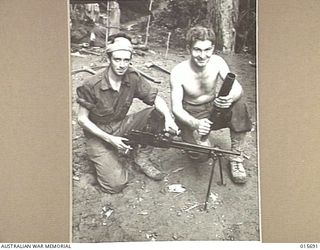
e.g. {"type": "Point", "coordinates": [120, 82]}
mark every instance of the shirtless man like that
{"type": "Point", "coordinates": [195, 84]}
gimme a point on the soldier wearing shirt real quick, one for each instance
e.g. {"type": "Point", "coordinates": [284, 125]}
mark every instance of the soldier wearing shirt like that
{"type": "Point", "coordinates": [104, 100]}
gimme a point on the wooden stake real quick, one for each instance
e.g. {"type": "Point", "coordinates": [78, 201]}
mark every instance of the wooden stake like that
{"type": "Point", "coordinates": [168, 43]}
{"type": "Point", "coordinates": [108, 22]}
{"type": "Point", "coordinates": [148, 24]}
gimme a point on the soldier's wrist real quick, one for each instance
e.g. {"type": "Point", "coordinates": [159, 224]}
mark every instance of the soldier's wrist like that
{"type": "Point", "coordinates": [195, 123]}
{"type": "Point", "coordinates": [169, 117]}
{"type": "Point", "coordinates": [107, 137]}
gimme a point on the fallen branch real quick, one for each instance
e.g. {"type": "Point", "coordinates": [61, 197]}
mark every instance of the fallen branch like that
{"type": "Point", "coordinates": [192, 207]}
{"type": "Point", "coordinates": [90, 52]}
{"type": "Point", "coordinates": [85, 69]}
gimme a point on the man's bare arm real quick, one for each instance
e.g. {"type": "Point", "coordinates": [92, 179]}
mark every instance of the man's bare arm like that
{"type": "Point", "coordinates": [176, 102]}
{"type": "Point", "coordinates": [236, 91]}
{"type": "Point", "coordinates": [85, 123]}
{"type": "Point", "coordinates": [162, 107]}
{"type": "Point", "coordinates": [202, 125]}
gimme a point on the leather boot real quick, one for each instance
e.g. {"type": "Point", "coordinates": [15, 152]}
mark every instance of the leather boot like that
{"type": "Point", "coordinates": [144, 165]}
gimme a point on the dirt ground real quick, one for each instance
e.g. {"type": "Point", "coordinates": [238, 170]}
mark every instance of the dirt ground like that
{"type": "Point", "coordinates": [146, 210]}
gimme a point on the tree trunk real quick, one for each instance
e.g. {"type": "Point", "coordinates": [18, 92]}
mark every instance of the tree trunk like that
{"type": "Point", "coordinates": [222, 17]}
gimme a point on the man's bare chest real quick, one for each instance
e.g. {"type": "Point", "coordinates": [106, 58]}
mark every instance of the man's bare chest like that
{"type": "Point", "coordinates": [201, 83]}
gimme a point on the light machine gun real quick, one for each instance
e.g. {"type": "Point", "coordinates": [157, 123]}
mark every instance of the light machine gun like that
{"type": "Point", "coordinates": [165, 140]}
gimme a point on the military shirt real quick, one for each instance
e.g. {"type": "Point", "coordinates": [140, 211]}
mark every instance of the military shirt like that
{"type": "Point", "coordinates": [107, 105]}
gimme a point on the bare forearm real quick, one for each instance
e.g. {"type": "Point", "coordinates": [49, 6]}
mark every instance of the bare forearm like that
{"type": "Point", "coordinates": [162, 107]}
{"type": "Point", "coordinates": [185, 117]}
{"type": "Point", "coordinates": [169, 124]}
{"type": "Point", "coordinates": [236, 91]}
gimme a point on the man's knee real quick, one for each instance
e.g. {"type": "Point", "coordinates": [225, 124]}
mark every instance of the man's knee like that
{"type": "Point", "coordinates": [240, 119]}
{"type": "Point", "coordinates": [112, 188]}
{"type": "Point", "coordinates": [155, 122]}
{"type": "Point", "coordinates": [114, 179]}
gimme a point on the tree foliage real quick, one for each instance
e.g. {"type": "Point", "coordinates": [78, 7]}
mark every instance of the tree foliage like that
{"type": "Point", "coordinates": [246, 27]}
{"type": "Point", "coordinates": [180, 15]}
{"type": "Point", "coordinates": [183, 13]}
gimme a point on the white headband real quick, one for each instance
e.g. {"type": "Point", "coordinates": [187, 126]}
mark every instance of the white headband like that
{"type": "Point", "coordinates": [120, 43]}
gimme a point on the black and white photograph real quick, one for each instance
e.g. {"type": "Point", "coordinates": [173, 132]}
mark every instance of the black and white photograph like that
{"type": "Point", "coordinates": [164, 120]}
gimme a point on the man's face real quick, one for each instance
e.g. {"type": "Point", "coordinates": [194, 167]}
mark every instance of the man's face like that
{"type": "Point", "coordinates": [201, 52]}
{"type": "Point", "coordinates": [119, 62]}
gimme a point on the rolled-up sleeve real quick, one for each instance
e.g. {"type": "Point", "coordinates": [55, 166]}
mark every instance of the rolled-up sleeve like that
{"type": "Point", "coordinates": [86, 97]}
{"type": "Point", "coordinates": [145, 92]}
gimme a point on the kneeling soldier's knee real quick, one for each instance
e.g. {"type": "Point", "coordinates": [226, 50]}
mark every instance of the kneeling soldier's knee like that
{"type": "Point", "coordinates": [113, 189]}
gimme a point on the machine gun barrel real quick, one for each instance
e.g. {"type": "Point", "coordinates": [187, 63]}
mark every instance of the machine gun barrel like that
{"type": "Point", "coordinates": [199, 148]}
{"type": "Point", "coordinates": [163, 141]}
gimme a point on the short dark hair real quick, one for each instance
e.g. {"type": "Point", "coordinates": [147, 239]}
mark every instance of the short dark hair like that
{"type": "Point", "coordinates": [200, 33]}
